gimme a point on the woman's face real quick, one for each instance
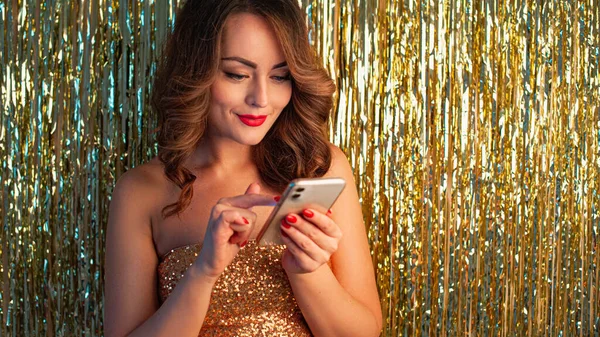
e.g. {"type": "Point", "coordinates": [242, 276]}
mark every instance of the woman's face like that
{"type": "Point", "coordinates": [253, 82]}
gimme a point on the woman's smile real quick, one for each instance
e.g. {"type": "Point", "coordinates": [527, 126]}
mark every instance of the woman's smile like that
{"type": "Point", "coordinates": [253, 120]}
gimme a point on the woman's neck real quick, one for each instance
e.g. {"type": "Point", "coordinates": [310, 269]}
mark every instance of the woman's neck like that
{"type": "Point", "coordinates": [221, 156]}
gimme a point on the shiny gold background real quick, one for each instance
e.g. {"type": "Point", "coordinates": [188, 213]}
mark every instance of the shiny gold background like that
{"type": "Point", "coordinates": [473, 128]}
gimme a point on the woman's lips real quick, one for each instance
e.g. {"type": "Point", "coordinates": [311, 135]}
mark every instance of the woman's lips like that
{"type": "Point", "coordinates": [252, 120]}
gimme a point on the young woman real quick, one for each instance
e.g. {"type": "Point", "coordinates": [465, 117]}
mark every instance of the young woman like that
{"type": "Point", "coordinates": [244, 107]}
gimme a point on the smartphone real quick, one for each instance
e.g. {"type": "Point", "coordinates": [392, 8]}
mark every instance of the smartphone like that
{"type": "Point", "coordinates": [314, 193]}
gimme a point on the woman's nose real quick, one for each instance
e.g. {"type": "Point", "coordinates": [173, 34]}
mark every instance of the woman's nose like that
{"type": "Point", "coordinates": [258, 95]}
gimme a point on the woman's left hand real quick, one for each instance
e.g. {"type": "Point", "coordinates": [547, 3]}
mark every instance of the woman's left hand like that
{"type": "Point", "coordinates": [311, 238]}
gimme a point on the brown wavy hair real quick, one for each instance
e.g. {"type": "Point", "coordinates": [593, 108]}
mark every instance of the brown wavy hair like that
{"type": "Point", "coordinates": [297, 143]}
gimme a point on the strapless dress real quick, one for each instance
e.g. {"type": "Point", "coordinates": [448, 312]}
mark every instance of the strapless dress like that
{"type": "Point", "coordinates": [252, 297]}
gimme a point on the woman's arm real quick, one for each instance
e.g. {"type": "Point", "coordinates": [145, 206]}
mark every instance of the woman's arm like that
{"type": "Point", "coordinates": [131, 289]}
{"type": "Point", "coordinates": [341, 300]}
{"type": "Point", "coordinates": [330, 310]}
{"type": "Point", "coordinates": [131, 295]}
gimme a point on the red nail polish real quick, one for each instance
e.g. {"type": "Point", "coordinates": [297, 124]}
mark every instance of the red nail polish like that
{"type": "Point", "coordinates": [245, 220]}
{"type": "Point", "coordinates": [291, 219]}
{"type": "Point", "coordinates": [285, 224]}
{"type": "Point", "coordinates": [308, 213]}
{"type": "Point", "coordinates": [277, 198]}
{"type": "Point", "coordinates": [329, 212]}
{"type": "Point", "coordinates": [243, 243]}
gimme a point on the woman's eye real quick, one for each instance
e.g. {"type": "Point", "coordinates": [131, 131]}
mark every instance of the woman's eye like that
{"type": "Point", "coordinates": [281, 78]}
{"type": "Point", "coordinates": [236, 77]}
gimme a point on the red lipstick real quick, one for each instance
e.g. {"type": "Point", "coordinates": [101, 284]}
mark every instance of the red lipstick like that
{"type": "Point", "coordinates": [252, 120]}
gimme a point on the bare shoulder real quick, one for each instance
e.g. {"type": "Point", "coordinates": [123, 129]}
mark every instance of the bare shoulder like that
{"type": "Point", "coordinates": [141, 175]}
{"type": "Point", "coordinates": [136, 196]}
{"type": "Point", "coordinates": [340, 167]}
{"type": "Point", "coordinates": [351, 263]}
{"type": "Point", "coordinates": [131, 260]}
{"type": "Point", "coordinates": [141, 183]}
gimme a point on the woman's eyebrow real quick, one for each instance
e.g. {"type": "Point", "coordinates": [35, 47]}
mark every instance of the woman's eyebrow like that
{"type": "Point", "coordinates": [250, 63]}
{"type": "Point", "coordinates": [280, 65]}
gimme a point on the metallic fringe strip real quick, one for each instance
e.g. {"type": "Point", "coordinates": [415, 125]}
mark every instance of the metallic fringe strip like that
{"type": "Point", "coordinates": [473, 128]}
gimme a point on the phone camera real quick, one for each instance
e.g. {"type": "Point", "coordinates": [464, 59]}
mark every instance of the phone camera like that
{"type": "Point", "coordinates": [300, 189]}
{"type": "Point", "coordinates": [296, 196]}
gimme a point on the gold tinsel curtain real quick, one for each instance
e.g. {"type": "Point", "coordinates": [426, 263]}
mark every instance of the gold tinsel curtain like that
{"type": "Point", "coordinates": [473, 128]}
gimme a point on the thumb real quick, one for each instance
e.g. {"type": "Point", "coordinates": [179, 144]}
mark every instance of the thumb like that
{"type": "Point", "coordinates": [253, 188]}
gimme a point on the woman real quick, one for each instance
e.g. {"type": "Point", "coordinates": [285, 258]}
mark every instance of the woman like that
{"type": "Point", "coordinates": [243, 106]}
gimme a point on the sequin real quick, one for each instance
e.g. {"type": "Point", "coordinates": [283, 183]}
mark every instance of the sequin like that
{"type": "Point", "coordinates": [252, 297]}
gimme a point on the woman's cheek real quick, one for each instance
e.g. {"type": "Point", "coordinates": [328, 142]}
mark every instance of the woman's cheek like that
{"type": "Point", "coordinates": [225, 94]}
{"type": "Point", "coordinates": [283, 97]}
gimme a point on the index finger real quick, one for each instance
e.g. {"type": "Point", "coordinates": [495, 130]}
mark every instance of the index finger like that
{"type": "Point", "coordinates": [249, 200]}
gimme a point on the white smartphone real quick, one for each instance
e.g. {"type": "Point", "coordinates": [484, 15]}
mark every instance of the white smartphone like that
{"type": "Point", "coordinates": [315, 193]}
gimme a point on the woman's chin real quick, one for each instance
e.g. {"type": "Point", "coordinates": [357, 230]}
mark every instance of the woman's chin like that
{"type": "Point", "coordinates": [251, 140]}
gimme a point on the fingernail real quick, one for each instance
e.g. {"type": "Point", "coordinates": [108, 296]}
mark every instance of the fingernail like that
{"type": "Point", "coordinates": [277, 198]}
{"type": "Point", "coordinates": [284, 234]}
{"type": "Point", "coordinates": [245, 220]}
{"type": "Point", "coordinates": [243, 243]}
{"type": "Point", "coordinates": [290, 218]}
{"type": "Point", "coordinates": [329, 212]}
{"type": "Point", "coordinates": [308, 213]}
{"type": "Point", "coordinates": [285, 224]}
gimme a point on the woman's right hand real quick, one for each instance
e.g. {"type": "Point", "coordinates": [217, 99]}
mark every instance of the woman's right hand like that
{"type": "Point", "coordinates": [229, 228]}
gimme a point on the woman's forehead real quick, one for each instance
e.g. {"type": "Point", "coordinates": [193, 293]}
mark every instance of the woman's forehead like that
{"type": "Point", "coordinates": [251, 37]}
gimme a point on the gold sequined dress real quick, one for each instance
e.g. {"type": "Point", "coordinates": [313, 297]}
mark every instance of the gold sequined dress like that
{"type": "Point", "coordinates": [252, 297]}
